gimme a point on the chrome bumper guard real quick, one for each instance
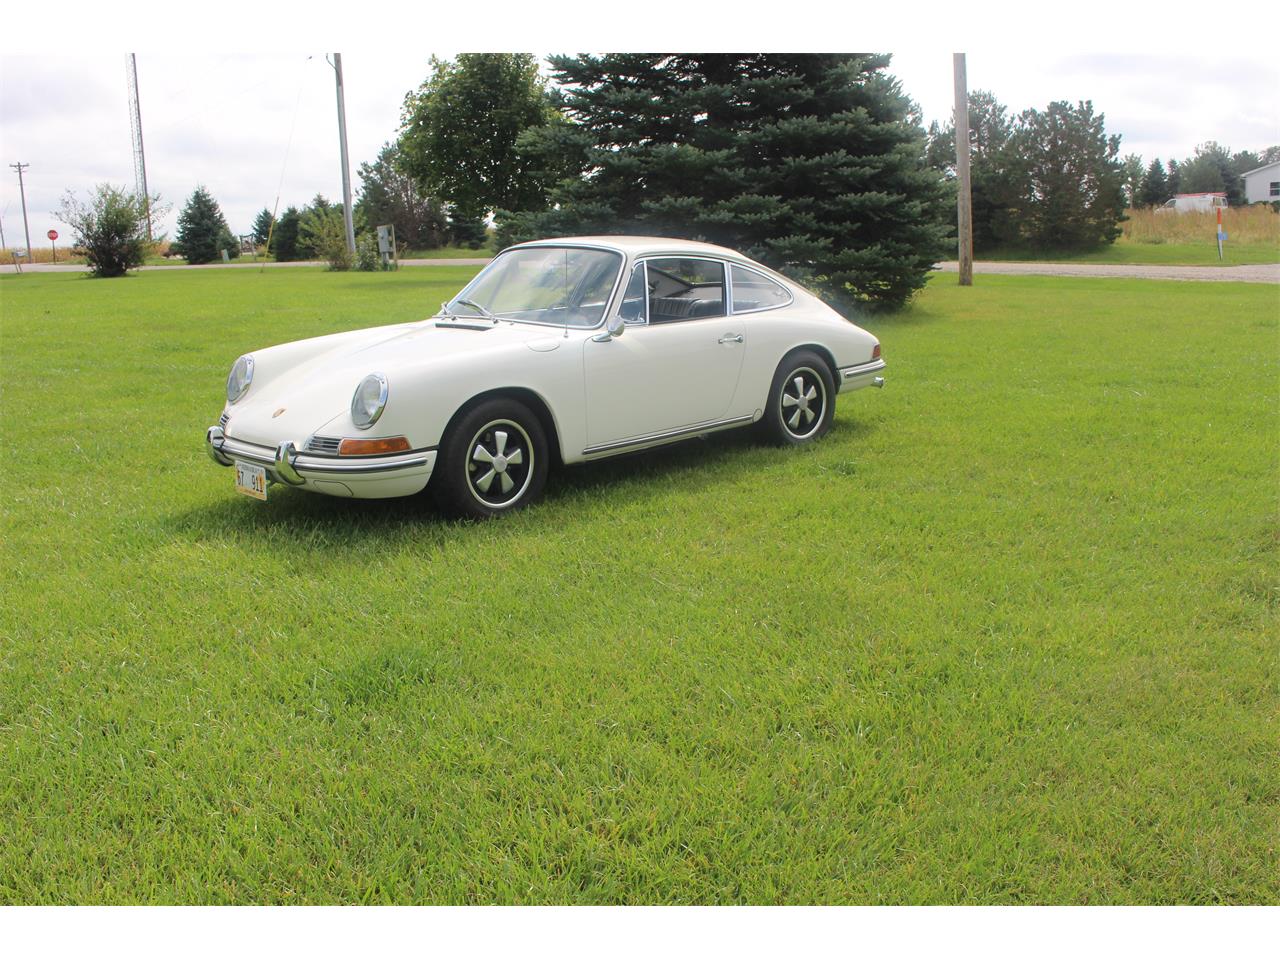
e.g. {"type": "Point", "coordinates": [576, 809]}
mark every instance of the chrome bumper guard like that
{"type": "Point", "coordinates": [862, 375]}
{"type": "Point", "coordinates": [285, 465]}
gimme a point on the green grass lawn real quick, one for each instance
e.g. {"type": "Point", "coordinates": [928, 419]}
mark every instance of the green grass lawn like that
{"type": "Point", "coordinates": [1007, 635]}
{"type": "Point", "coordinates": [1158, 254]}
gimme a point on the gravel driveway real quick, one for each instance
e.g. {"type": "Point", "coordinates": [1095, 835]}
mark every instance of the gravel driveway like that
{"type": "Point", "coordinates": [1260, 273]}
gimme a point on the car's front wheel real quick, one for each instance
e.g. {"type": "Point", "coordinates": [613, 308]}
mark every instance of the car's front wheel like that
{"type": "Point", "coordinates": [801, 402]}
{"type": "Point", "coordinates": [492, 461]}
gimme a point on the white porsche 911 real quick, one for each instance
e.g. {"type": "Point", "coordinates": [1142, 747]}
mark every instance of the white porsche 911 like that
{"type": "Point", "coordinates": [562, 350]}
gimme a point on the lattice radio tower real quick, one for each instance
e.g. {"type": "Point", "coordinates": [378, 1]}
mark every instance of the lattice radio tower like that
{"type": "Point", "coordinates": [139, 158]}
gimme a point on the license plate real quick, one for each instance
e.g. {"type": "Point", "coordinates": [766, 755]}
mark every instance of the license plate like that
{"type": "Point", "coordinates": [251, 480]}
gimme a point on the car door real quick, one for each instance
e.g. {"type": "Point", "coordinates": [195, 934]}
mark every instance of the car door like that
{"type": "Point", "coordinates": [677, 364]}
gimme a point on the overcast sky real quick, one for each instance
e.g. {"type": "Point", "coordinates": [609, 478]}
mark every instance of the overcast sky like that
{"type": "Point", "coordinates": [246, 126]}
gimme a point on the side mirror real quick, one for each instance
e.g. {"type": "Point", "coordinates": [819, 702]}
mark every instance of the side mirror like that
{"type": "Point", "coordinates": [613, 328]}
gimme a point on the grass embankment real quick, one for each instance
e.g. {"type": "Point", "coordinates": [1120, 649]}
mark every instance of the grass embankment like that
{"type": "Point", "coordinates": [1008, 634]}
{"type": "Point", "coordinates": [1177, 239]}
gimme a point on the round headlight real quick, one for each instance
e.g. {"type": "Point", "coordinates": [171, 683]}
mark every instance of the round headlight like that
{"type": "Point", "coordinates": [239, 378]}
{"type": "Point", "coordinates": [369, 400]}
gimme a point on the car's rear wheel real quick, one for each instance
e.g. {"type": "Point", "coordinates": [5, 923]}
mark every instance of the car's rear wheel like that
{"type": "Point", "coordinates": [493, 460]}
{"type": "Point", "coordinates": [801, 402]}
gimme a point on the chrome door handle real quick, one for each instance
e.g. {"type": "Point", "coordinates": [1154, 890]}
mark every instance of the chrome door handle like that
{"type": "Point", "coordinates": [730, 338]}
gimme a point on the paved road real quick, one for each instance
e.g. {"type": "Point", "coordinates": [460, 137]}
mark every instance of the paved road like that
{"type": "Point", "coordinates": [248, 265]}
{"type": "Point", "coordinates": [1260, 273]}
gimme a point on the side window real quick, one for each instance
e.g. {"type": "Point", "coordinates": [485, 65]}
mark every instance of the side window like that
{"type": "Point", "coordinates": [755, 291]}
{"type": "Point", "coordinates": [634, 307]}
{"type": "Point", "coordinates": [683, 288]}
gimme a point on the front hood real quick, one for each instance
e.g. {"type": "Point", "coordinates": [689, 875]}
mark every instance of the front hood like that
{"type": "Point", "coordinates": [299, 400]}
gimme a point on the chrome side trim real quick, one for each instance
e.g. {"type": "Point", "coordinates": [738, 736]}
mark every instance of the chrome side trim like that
{"type": "Point", "coordinates": [654, 439]}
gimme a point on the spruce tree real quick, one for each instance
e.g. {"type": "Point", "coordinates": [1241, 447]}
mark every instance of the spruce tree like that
{"type": "Point", "coordinates": [262, 227]}
{"type": "Point", "coordinates": [202, 229]}
{"type": "Point", "coordinates": [812, 163]}
{"type": "Point", "coordinates": [1155, 185]}
{"type": "Point", "coordinates": [284, 239]}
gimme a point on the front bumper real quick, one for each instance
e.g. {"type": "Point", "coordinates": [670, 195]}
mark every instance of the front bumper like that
{"type": "Point", "coordinates": [366, 477]}
{"type": "Point", "coordinates": [861, 375]}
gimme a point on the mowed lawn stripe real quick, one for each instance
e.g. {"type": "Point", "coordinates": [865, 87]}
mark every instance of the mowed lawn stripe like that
{"type": "Point", "coordinates": [1007, 635]}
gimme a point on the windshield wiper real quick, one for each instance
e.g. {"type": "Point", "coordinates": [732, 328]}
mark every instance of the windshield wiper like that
{"type": "Point", "coordinates": [483, 311]}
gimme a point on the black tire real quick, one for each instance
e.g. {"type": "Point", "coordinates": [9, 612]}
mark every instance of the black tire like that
{"type": "Point", "coordinates": [790, 417]}
{"type": "Point", "coordinates": [493, 460]}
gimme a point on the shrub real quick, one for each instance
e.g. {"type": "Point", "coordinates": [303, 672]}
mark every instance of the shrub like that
{"type": "Point", "coordinates": [324, 231]}
{"type": "Point", "coordinates": [367, 255]}
{"type": "Point", "coordinates": [111, 228]}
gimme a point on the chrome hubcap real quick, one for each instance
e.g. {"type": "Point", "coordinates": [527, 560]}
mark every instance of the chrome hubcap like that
{"type": "Point", "coordinates": [500, 464]}
{"type": "Point", "coordinates": [804, 400]}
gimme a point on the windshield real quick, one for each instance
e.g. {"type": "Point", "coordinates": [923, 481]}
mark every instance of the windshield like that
{"type": "Point", "coordinates": [565, 286]}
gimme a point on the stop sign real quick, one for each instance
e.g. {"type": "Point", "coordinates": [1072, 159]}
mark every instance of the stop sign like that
{"type": "Point", "coordinates": [53, 234]}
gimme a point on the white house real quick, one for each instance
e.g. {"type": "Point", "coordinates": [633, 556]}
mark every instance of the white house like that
{"type": "Point", "coordinates": [1262, 184]}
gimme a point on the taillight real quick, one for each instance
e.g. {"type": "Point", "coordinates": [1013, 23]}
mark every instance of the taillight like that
{"type": "Point", "coordinates": [875, 351]}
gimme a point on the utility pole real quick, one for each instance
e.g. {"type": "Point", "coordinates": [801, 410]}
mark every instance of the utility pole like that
{"type": "Point", "coordinates": [23, 192]}
{"type": "Point", "coordinates": [139, 157]}
{"type": "Point", "coordinates": [964, 199]}
{"type": "Point", "coordinates": [336, 63]}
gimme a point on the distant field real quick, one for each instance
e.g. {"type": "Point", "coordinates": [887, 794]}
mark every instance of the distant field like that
{"type": "Point", "coordinates": [1007, 635]}
{"type": "Point", "coordinates": [1171, 239]}
{"type": "Point", "coordinates": [1165, 254]}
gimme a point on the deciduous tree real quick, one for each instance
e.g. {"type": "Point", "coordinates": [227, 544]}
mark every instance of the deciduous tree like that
{"type": "Point", "coordinates": [1073, 195]}
{"type": "Point", "coordinates": [459, 133]}
{"type": "Point", "coordinates": [389, 195]}
{"type": "Point", "coordinates": [1131, 171]}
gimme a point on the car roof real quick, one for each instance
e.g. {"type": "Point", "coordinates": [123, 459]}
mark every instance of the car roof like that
{"type": "Point", "coordinates": [644, 246]}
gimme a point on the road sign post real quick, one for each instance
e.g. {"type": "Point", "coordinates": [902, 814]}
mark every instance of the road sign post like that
{"type": "Point", "coordinates": [1221, 233]}
{"type": "Point", "coordinates": [53, 242]}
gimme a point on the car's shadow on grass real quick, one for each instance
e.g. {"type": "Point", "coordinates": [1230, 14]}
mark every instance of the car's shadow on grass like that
{"type": "Point", "coordinates": [699, 465]}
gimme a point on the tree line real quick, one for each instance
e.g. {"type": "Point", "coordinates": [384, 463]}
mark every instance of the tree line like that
{"type": "Point", "coordinates": [1054, 180]}
{"type": "Point", "coordinates": [816, 164]}
{"type": "Point", "coordinates": [1213, 168]}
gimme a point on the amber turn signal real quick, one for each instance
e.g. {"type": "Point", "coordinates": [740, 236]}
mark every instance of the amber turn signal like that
{"type": "Point", "coordinates": [875, 352]}
{"type": "Point", "coordinates": [358, 447]}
